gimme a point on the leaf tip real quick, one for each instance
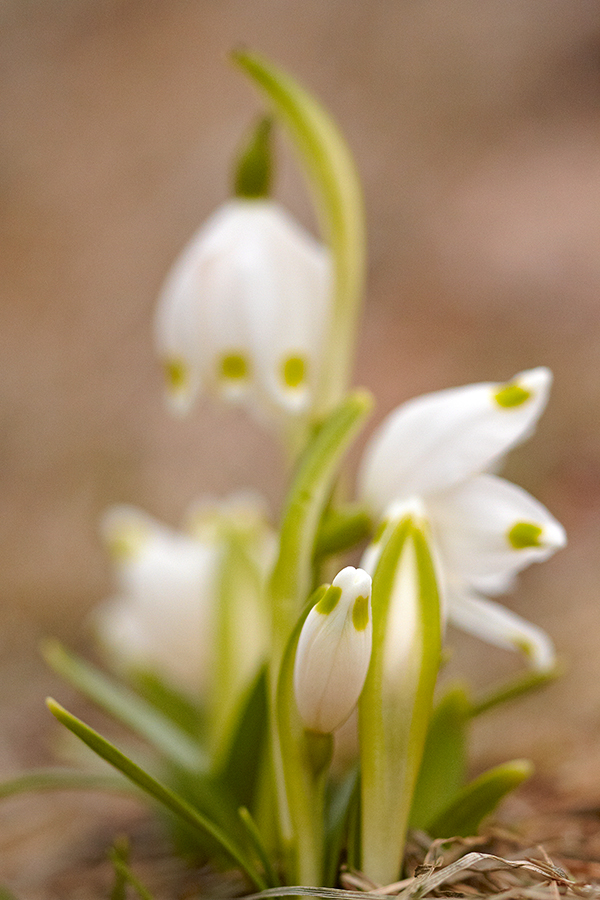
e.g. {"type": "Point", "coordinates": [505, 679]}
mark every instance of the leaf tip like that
{"type": "Point", "coordinates": [54, 707]}
{"type": "Point", "coordinates": [50, 649]}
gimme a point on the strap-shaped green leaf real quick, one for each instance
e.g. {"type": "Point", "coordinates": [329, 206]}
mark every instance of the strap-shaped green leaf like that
{"type": "Point", "coordinates": [524, 683]}
{"type": "Point", "coordinates": [155, 789]}
{"type": "Point", "coordinates": [240, 765]}
{"type": "Point", "coordinates": [478, 799]}
{"type": "Point", "coordinates": [290, 584]}
{"type": "Point", "coordinates": [55, 779]}
{"type": "Point", "coordinates": [443, 767]}
{"type": "Point", "coordinates": [343, 798]}
{"type": "Point", "coordinates": [124, 876]}
{"type": "Point", "coordinates": [336, 189]}
{"type": "Point", "coordinates": [121, 703]}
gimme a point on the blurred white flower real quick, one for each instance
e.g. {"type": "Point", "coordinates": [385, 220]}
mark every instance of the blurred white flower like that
{"type": "Point", "coordinates": [334, 651]}
{"type": "Point", "coordinates": [245, 311]}
{"type": "Point", "coordinates": [440, 448]}
{"type": "Point", "coordinates": [162, 617]}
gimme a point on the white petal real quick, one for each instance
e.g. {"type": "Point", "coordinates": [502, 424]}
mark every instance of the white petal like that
{"type": "Point", "coordinates": [438, 440]}
{"type": "Point", "coordinates": [288, 307]}
{"type": "Point", "coordinates": [121, 634]}
{"type": "Point", "coordinates": [499, 626]}
{"type": "Point", "coordinates": [166, 591]}
{"type": "Point", "coordinates": [487, 529]}
{"type": "Point", "coordinates": [178, 326]}
{"type": "Point", "coordinates": [333, 653]}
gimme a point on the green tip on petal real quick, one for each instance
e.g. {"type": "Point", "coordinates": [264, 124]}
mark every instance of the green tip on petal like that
{"type": "Point", "coordinates": [294, 371]}
{"type": "Point", "coordinates": [254, 166]}
{"type": "Point", "coordinates": [511, 395]}
{"type": "Point", "coordinates": [125, 541]}
{"type": "Point", "coordinates": [234, 367]}
{"type": "Point", "coordinates": [524, 534]}
{"type": "Point", "coordinates": [176, 375]}
{"type": "Point", "coordinates": [525, 647]}
{"type": "Point", "coordinates": [329, 600]}
{"type": "Point", "coordinates": [360, 613]}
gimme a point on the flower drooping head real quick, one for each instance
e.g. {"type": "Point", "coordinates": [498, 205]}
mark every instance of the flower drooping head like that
{"type": "Point", "coordinates": [440, 448]}
{"type": "Point", "coordinates": [245, 310]}
{"type": "Point", "coordinates": [170, 582]}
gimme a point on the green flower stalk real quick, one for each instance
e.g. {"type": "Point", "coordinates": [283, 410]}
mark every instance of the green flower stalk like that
{"type": "Point", "coordinates": [338, 199]}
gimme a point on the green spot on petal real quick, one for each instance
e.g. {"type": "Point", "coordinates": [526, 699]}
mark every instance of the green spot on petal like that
{"type": "Point", "coordinates": [360, 613]}
{"type": "Point", "coordinates": [329, 600]}
{"type": "Point", "coordinates": [176, 374]}
{"type": "Point", "coordinates": [523, 646]}
{"type": "Point", "coordinates": [126, 543]}
{"type": "Point", "coordinates": [234, 367]}
{"type": "Point", "coordinates": [511, 395]}
{"type": "Point", "coordinates": [294, 371]}
{"type": "Point", "coordinates": [524, 534]}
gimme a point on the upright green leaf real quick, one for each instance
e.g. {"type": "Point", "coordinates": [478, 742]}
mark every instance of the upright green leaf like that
{"type": "Point", "coordinates": [443, 767]}
{"type": "Point", "coordinates": [478, 799]}
{"type": "Point", "coordinates": [240, 766]}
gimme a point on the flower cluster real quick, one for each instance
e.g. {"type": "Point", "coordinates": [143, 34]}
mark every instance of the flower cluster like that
{"type": "Point", "coordinates": [257, 311]}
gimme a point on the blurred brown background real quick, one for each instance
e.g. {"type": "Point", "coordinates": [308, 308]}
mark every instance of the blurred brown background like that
{"type": "Point", "coordinates": [476, 128]}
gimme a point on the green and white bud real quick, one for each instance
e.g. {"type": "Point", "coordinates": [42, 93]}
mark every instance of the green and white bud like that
{"type": "Point", "coordinates": [334, 651]}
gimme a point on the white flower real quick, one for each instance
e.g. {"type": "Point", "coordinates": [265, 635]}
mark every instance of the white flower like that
{"type": "Point", "coordinates": [245, 310]}
{"type": "Point", "coordinates": [162, 616]}
{"type": "Point", "coordinates": [334, 651]}
{"type": "Point", "coordinates": [440, 448]}
{"type": "Point", "coordinates": [161, 613]}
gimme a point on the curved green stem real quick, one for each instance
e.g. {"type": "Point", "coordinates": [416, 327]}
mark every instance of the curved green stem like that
{"type": "Point", "coordinates": [336, 188]}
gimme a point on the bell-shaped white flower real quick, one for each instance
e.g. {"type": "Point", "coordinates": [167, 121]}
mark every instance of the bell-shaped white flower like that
{"type": "Point", "coordinates": [484, 530]}
{"type": "Point", "coordinates": [334, 650]}
{"type": "Point", "coordinates": [162, 617]}
{"type": "Point", "coordinates": [245, 310]}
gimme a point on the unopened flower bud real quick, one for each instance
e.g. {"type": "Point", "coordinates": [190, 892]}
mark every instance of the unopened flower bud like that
{"type": "Point", "coordinates": [334, 651]}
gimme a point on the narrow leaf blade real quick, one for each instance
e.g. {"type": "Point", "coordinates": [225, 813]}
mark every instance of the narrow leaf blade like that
{"type": "Point", "coordinates": [479, 798]}
{"type": "Point", "coordinates": [239, 768]}
{"type": "Point", "coordinates": [153, 788]}
{"type": "Point", "coordinates": [124, 705]}
{"type": "Point", "coordinates": [443, 767]}
{"type": "Point", "coordinates": [62, 780]}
